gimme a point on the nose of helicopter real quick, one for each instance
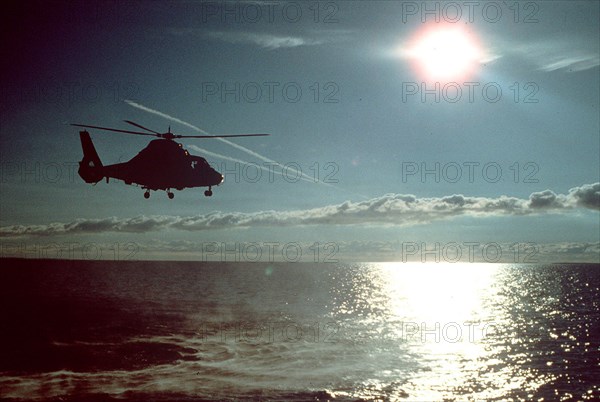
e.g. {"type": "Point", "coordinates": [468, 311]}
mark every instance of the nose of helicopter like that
{"type": "Point", "coordinates": [217, 178]}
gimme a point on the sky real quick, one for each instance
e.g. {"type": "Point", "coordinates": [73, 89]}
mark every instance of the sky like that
{"type": "Point", "coordinates": [399, 131]}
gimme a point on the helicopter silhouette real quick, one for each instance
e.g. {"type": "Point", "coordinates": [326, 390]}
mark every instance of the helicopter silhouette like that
{"type": "Point", "coordinates": [163, 165]}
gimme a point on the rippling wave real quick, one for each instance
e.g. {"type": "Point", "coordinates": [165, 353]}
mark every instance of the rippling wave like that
{"type": "Point", "coordinates": [167, 331]}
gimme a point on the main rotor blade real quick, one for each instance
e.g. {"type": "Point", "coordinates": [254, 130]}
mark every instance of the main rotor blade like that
{"type": "Point", "coordinates": [222, 136]}
{"type": "Point", "coordinates": [166, 135]}
{"type": "Point", "coordinates": [113, 129]}
{"type": "Point", "coordinates": [140, 126]}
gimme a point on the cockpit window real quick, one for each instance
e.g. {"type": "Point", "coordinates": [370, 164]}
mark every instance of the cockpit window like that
{"type": "Point", "coordinates": [199, 162]}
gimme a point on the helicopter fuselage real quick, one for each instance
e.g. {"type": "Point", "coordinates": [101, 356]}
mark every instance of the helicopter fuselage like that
{"type": "Point", "coordinates": [163, 165]}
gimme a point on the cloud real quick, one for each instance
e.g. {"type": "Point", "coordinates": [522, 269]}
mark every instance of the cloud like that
{"type": "Point", "coordinates": [372, 251]}
{"type": "Point", "coordinates": [575, 63]}
{"type": "Point", "coordinates": [546, 200]}
{"type": "Point", "coordinates": [270, 41]}
{"type": "Point", "coordinates": [267, 41]}
{"type": "Point", "coordinates": [264, 40]}
{"type": "Point", "coordinates": [139, 224]}
{"type": "Point", "coordinates": [550, 54]}
{"type": "Point", "coordinates": [587, 196]}
{"type": "Point", "coordinates": [399, 250]}
{"type": "Point", "coordinates": [571, 249]}
{"type": "Point", "coordinates": [559, 54]}
{"type": "Point", "coordinates": [387, 210]}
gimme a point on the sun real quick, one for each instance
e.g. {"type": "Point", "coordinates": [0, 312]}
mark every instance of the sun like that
{"type": "Point", "coordinates": [444, 53]}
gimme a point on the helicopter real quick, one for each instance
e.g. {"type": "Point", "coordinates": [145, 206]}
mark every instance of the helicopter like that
{"type": "Point", "coordinates": [163, 165]}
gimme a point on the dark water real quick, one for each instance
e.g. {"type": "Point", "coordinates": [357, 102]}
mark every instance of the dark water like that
{"type": "Point", "coordinates": [162, 331]}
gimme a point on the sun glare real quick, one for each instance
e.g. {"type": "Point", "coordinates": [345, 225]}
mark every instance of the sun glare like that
{"type": "Point", "coordinates": [444, 53]}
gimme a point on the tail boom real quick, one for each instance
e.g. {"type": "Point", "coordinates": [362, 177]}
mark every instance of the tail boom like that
{"type": "Point", "coordinates": [90, 167]}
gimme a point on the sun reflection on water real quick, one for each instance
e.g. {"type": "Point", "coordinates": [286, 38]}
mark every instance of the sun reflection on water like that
{"type": "Point", "coordinates": [455, 320]}
{"type": "Point", "coordinates": [444, 314]}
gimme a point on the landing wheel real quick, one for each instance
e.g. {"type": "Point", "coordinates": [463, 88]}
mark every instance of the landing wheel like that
{"type": "Point", "coordinates": [171, 195]}
{"type": "Point", "coordinates": [147, 194]}
{"type": "Point", "coordinates": [208, 193]}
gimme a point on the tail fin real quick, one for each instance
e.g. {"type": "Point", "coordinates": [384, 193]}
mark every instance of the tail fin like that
{"type": "Point", "coordinates": [90, 167]}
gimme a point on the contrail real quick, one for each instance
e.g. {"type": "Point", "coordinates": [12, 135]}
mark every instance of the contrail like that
{"type": "Point", "coordinates": [164, 115]}
{"type": "Point", "coordinates": [233, 144]}
{"type": "Point", "coordinates": [302, 175]}
{"type": "Point", "coordinates": [216, 155]}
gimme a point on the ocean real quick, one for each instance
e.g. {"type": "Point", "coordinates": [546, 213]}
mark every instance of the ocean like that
{"type": "Point", "coordinates": [204, 331]}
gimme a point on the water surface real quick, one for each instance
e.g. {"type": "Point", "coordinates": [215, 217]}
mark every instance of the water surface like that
{"type": "Point", "coordinates": [241, 331]}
